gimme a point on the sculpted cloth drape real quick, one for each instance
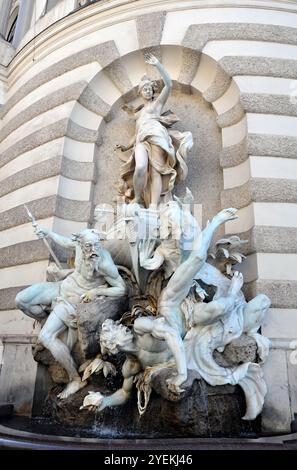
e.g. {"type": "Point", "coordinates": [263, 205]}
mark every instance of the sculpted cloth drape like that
{"type": "Point", "coordinates": [153, 131]}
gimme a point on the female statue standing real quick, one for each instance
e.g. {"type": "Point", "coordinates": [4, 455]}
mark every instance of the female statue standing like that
{"type": "Point", "coordinates": [158, 157]}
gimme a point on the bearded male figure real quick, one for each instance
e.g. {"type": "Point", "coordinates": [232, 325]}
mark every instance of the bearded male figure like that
{"type": "Point", "coordinates": [95, 274]}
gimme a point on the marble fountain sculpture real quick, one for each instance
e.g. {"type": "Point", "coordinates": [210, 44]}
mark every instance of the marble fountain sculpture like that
{"type": "Point", "coordinates": [149, 320]}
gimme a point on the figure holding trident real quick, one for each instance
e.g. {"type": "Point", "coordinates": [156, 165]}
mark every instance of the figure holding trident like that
{"type": "Point", "coordinates": [159, 153]}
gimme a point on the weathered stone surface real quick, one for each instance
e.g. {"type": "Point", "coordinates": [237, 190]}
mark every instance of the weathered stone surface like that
{"type": "Point", "coordinates": [107, 52]}
{"type": "Point", "coordinates": [267, 103]}
{"type": "Point", "coordinates": [81, 171]}
{"type": "Point", "coordinates": [276, 416]}
{"type": "Point", "coordinates": [67, 209]}
{"type": "Point", "coordinates": [41, 208]}
{"type": "Point", "coordinates": [150, 28]}
{"type": "Point", "coordinates": [260, 190]}
{"type": "Point", "coordinates": [234, 155]}
{"type": "Point", "coordinates": [71, 62]}
{"type": "Point", "coordinates": [45, 358]}
{"type": "Point", "coordinates": [90, 318]}
{"type": "Point", "coordinates": [201, 410]}
{"type": "Point", "coordinates": [32, 174]}
{"type": "Point", "coordinates": [219, 86]}
{"type": "Point", "coordinates": [6, 409]}
{"type": "Point", "coordinates": [272, 145]}
{"type": "Point", "coordinates": [283, 294]}
{"type": "Point", "coordinates": [17, 385]}
{"type": "Point", "coordinates": [160, 387]}
{"type": "Point", "coordinates": [118, 74]}
{"type": "Point", "coordinates": [262, 66]}
{"type": "Point", "coordinates": [238, 197]}
{"type": "Point", "coordinates": [190, 62]}
{"type": "Point", "coordinates": [7, 297]}
{"type": "Point", "coordinates": [231, 117]}
{"type": "Point", "coordinates": [37, 138]}
{"type": "Point", "coordinates": [90, 100]}
{"type": "Point", "coordinates": [23, 253]}
{"type": "Point", "coordinates": [269, 239]}
{"type": "Point", "coordinates": [58, 97]}
{"type": "Point", "coordinates": [198, 35]}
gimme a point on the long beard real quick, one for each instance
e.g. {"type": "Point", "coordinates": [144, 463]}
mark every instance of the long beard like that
{"type": "Point", "coordinates": [91, 265]}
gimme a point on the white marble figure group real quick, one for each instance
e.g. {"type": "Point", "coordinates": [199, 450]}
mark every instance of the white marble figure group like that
{"type": "Point", "coordinates": [185, 330]}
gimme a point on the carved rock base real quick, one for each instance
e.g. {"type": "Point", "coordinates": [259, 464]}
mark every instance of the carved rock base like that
{"type": "Point", "coordinates": [204, 412]}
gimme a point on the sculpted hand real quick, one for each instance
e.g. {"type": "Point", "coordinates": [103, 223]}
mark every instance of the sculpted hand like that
{"type": "Point", "coordinates": [151, 59]}
{"type": "Point", "coordinates": [94, 401]}
{"type": "Point", "coordinates": [174, 383]}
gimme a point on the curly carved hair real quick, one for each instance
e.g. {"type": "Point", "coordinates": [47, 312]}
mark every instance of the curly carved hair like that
{"type": "Point", "coordinates": [114, 337]}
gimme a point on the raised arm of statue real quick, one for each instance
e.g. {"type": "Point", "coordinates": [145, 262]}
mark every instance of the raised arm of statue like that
{"type": "Point", "coordinates": [164, 95]}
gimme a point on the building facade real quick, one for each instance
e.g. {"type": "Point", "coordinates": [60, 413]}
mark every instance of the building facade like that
{"type": "Point", "coordinates": [66, 68]}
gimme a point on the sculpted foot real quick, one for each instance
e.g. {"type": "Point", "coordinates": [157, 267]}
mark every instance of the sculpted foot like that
{"type": "Point", "coordinates": [72, 388]}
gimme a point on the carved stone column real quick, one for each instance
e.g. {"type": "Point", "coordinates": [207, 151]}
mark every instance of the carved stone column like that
{"type": "Point", "coordinates": [5, 8]}
{"type": "Point", "coordinates": [24, 20]}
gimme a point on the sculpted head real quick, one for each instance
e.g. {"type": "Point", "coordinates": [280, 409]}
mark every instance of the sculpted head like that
{"type": "Point", "coordinates": [90, 243]}
{"type": "Point", "coordinates": [147, 88]}
{"type": "Point", "coordinates": [114, 337]}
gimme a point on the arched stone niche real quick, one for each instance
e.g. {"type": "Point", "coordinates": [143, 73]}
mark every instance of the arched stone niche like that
{"type": "Point", "coordinates": [205, 177]}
